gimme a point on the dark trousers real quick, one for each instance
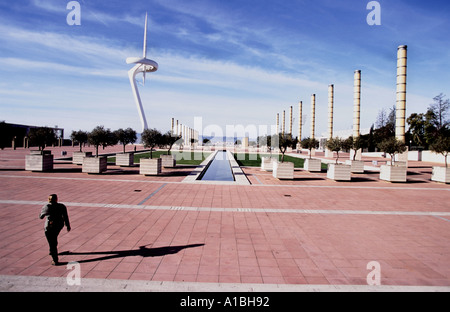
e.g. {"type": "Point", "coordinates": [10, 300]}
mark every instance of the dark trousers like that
{"type": "Point", "coordinates": [52, 238]}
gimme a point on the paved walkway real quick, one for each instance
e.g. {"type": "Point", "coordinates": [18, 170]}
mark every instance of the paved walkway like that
{"type": "Point", "coordinates": [158, 233]}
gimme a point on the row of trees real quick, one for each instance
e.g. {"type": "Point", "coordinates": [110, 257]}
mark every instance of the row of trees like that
{"type": "Point", "coordinates": [100, 136]}
{"type": "Point", "coordinates": [424, 128]}
{"type": "Point", "coordinates": [390, 145]}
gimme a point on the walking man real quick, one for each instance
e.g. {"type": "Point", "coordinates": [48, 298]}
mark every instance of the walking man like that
{"type": "Point", "coordinates": [57, 217]}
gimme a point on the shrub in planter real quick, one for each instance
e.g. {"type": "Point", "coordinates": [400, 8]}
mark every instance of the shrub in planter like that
{"type": "Point", "coordinates": [310, 144]}
{"type": "Point", "coordinates": [441, 145]}
{"type": "Point", "coordinates": [339, 172]}
{"type": "Point", "coordinates": [336, 171]}
{"type": "Point", "coordinates": [311, 164]}
{"type": "Point", "coordinates": [40, 160]}
{"type": "Point", "coordinates": [393, 172]}
{"type": "Point", "coordinates": [125, 159]}
{"type": "Point", "coordinates": [150, 139]}
{"type": "Point", "coordinates": [150, 166]}
{"type": "Point", "coordinates": [94, 164]}
{"type": "Point", "coordinates": [125, 137]}
{"type": "Point", "coordinates": [356, 144]}
{"type": "Point", "coordinates": [168, 140]}
{"type": "Point", "coordinates": [283, 170]}
{"type": "Point", "coordinates": [80, 137]}
{"type": "Point", "coordinates": [99, 136]}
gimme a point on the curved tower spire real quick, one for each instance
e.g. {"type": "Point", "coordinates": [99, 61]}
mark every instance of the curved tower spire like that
{"type": "Point", "coordinates": [142, 65]}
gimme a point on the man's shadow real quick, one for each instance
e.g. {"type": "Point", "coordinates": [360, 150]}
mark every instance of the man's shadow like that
{"type": "Point", "coordinates": [143, 251]}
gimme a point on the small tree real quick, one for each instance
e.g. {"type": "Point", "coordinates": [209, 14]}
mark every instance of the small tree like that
{"type": "Point", "coordinates": [392, 146]}
{"type": "Point", "coordinates": [285, 140]}
{"type": "Point", "coordinates": [79, 137]}
{"type": "Point", "coordinates": [441, 145]}
{"type": "Point", "coordinates": [101, 136]}
{"type": "Point", "coordinates": [127, 136]}
{"type": "Point", "coordinates": [310, 144]}
{"type": "Point", "coordinates": [355, 144]}
{"type": "Point", "coordinates": [337, 145]}
{"type": "Point", "coordinates": [151, 138]}
{"type": "Point", "coordinates": [169, 139]}
{"type": "Point", "coordinates": [193, 141]}
{"type": "Point", "coordinates": [42, 137]}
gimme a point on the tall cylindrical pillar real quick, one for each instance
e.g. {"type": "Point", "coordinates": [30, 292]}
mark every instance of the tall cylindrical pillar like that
{"type": "Point", "coordinates": [290, 120]}
{"type": "Point", "coordinates": [283, 129]}
{"type": "Point", "coordinates": [357, 104]}
{"type": "Point", "coordinates": [300, 121]}
{"type": "Point", "coordinates": [313, 115]}
{"type": "Point", "coordinates": [400, 111]}
{"type": "Point", "coordinates": [278, 123]}
{"type": "Point", "coordinates": [330, 110]}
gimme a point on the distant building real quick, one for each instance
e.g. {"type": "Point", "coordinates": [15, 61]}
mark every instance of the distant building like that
{"type": "Point", "coordinates": [14, 135]}
{"type": "Point", "coordinates": [342, 134]}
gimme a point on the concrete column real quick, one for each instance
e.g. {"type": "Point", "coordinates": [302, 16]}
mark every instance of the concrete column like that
{"type": "Point", "coordinates": [329, 153]}
{"type": "Point", "coordinates": [300, 121]}
{"type": "Point", "coordinates": [283, 131]}
{"type": "Point", "coordinates": [357, 104]}
{"type": "Point", "coordinates": [177, 131]}
{"type": "Point", "coordinates": [356, 112]}
{"type": "Point", "coordinates": [313, 120]}
{"type": "Point", "coordinates": [330, 110]}
{"type": "Point", "coordinates": [401, 93]}
{"type": "Point", "coordinates": [313, 115]}
{"type": "Point", "coordinates": [290, 120]}
{"type": "Point", "coordinates": [173, 124]}
{"type": "Point", "coordinates": [278, 123]}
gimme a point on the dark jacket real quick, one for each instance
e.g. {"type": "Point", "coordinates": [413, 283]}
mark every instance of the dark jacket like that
{"type": "Point", "coordinates": [57, 216]}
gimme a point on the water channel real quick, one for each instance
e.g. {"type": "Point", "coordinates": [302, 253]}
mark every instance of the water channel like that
{"type": "Point", "coordinates": [219, 169]}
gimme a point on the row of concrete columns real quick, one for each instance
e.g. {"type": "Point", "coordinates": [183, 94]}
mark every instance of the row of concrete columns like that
{"type": "Point", "coordinates": [283, 124]}
{"type": "Point", "coordinates": [184, 131]}
{"type": "Point", "coordinates": [400, 103]}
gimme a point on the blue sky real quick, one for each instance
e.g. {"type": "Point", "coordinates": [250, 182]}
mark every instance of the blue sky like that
{"type": "Point", "coordinates": [230, 62]}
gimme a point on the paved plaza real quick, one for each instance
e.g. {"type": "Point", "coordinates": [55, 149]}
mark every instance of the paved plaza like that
{"type": "Point", "coordinates": [134, 232]}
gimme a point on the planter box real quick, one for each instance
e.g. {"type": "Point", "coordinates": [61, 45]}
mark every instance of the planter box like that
{"type": "Point", "coordinates": [77, 157]}
{"type": "Point", "coordinates": [283, 170]}
{"type": "Point", "coordinates": [393, 173]}
{"type": "Point", "coordinates": [38, 162]}
{"type": "Point", "coordinates": [441, 174]}
{"type": "Point", "coordinates": [94, 164]}
{"type": "Point", "coordinates": [266, 163]}
{"type": "Point", "coordinates": [125, 159]}
{"type": "Point", "coordinates": [312, 165]}
{"type": "Point", "coordinates": [168, 161]}
{"type": "Point", "coordinates": [339, 172]}
{"type": "Point", "coordinates": [357, 166]}
{"type": "Point", "coordinates": [150, 166]}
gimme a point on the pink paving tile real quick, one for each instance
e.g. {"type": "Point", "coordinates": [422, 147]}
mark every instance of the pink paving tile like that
{"type": "Point", "coordinates": [207, 278]}
{"type": "Point", "coordinates": [185, 278]}
{"type": "Point", "coordinates": [229, 279]}
{"type": "Point", "coordinates": [119, 275]}
{"type": "Point", "coordinates": [251, 279]}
